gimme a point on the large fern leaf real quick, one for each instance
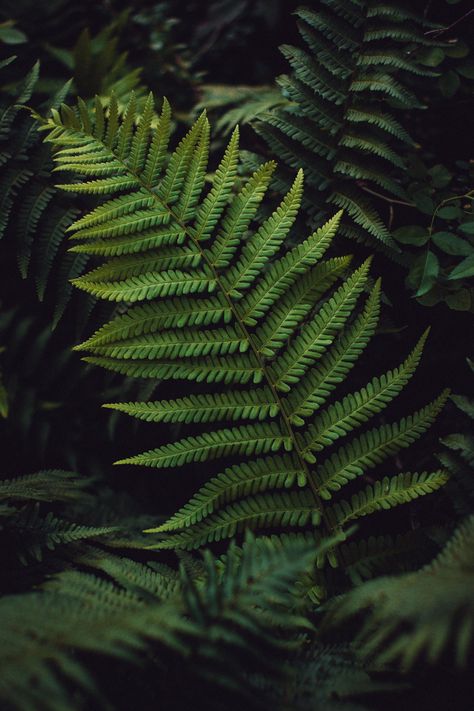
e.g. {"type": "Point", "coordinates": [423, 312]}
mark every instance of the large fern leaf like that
{"type": "Point", "coordinates": [262, 325]}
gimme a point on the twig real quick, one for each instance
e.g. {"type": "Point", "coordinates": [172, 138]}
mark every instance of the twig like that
{"type": "Point", "coordinates": [385, 197]}
{"type": "Point", "coordinates": [449, 27]}
{"type": "Point", "coordinates": [391, 214]}
{"type": "Point", "coordinates": [469, 194]}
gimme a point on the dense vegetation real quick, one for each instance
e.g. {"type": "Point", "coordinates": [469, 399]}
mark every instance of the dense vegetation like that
{"type": "Point", "coordinates": [237, 245]}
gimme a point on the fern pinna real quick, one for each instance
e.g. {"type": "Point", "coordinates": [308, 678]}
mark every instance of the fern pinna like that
{"type": "Point", "coordinates": [346, 88]}
{"type": "Point", "coordinates": [212, 297]}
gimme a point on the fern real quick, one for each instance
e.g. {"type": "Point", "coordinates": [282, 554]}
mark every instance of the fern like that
{"type": "Point", "coordinates": [239, 104]}
{"type": "Point", "coordinates": [34, 213]}
{"type": "Point", "coordinates": [264, 321]}
{"type": "Point", "coordinates": [424, 615]}
{"type": "Point", "coordinates": [457, 457]}
{"type": "Point", "coordinates": [222, 629]}
{"type": "Point", "coordinates": [30, 530]}
{"type": "Point", "coordinates": [48, 395]}
{"type": "Point", "coordinates": [341, 126]}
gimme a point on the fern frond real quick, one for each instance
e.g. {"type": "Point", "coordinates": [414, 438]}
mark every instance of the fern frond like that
{"type": "Point", "coordinates": [239, 618]}
{"type": "Point", "coordinates": [34, 214]}
{"type": "Point", "coordinates": [353, 74]}
{"type": "Point", "coordinates": [236, 482]}
{"type": "Point", "coordinates": [241, 310]}
{"type": "Point", "coordinates": [419, 615]}
{"type": "Point", "coordinates": [37, 532]}
{"type": "Point", "coordinates": [313, 341]}
{"type": "Point", "coordinates": [271, 510]}
{"type": "Point", "coordinates": [246, 440]}
{"type": "Point", "coordinates": [345, 415]}
{"type": "Point", "coordinates": [49, 485]}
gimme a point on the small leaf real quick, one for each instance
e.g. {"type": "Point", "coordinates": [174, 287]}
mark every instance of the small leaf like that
{"type": "Point", "coordinates": [457, 50]}
{"type": "Point", "coordinates": [424, 202]}
{"type": "Point", "coordinates": [467, 228]}
{"type": "Point", "coordinates": [10, 35]}
{"type": "Point", "coordinates": [460, 300]}
{"type": "Point", "coordinates": [452, 244]}
{"type": "Point", "coordinates": [464, 269]}
{"type": "Point", "coordinates": [449, 83]}
{"type": "Point", "coordinates": [440, 176]}
{"type": "Point", "coordinates": [449, 212]}
{"type": "Point", "coordinates": [466, 70]}
{"type": "Point", "coordinates": [412, 234]}
{"type": "Point", "coordinates": [429, 274]}
{"type": "Point", "coordinates": [431, 57]}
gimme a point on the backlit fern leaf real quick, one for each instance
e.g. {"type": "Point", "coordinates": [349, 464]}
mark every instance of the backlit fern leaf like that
{"type": "Point", "coordinates": [268, 327]}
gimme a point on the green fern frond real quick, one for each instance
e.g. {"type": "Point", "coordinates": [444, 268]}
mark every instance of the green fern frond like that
{"type": "Point", "coordinates": [345, 87]}
{"type": "Point", "coordinates": [419, 615]}
{"type": "Point", "coordinates": [373, 446]}
{"type": "Point", "coordinates": [376, 555]}
{"type": "Point", "coordinates": [246, 312]}
{"type": "Point", "coordinates": [34, 214]}
{"type": "Point", "coordinates": [356, 408]}
{"type": "Point", "coordinates": [37, 532]}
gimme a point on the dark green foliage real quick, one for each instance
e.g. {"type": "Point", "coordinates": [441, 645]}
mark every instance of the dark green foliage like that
{"type": "Point", "coordinates": [347, 88]}
{"type": "Point", "coordinates": [237, 104]}
{"type": "Point", "coordinates": [40, 516]}
{"type": "Point", "coordinates": [425, 615]}
{"type": "Point", "coordinates": [439, 250]}
{"type": "Point", "coordinates": [458, 456]}
{"type": "Point", "coordinates": [228, 628]}
{"type": "Point", "coordinates": [47, 396]}
{"type": "Point", "coordinates": [97, 66]}
{"type": "Point", "coordinates": [34, 214]}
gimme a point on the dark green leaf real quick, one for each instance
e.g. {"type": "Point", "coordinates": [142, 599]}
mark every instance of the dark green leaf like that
{"type": "Point", "coordinates": [464, 269]}
{"type": "Point", "coordinates": [458, 50]}
{"type": "Point", "coordinates": [424, 202]}
{"type": "Point", "coordinates": [466, 70]}
{"type": "Point", "coordinates": [467, 228]}
{"type": "Point", "coordinates": [412, 234]}
{"type": "Point", "coordinates": [10, 35]}
{"type": "Point", "coordinates": [452, 244]}
{"type": "Point", "coordinates": [429, 274]}
{"type": "Point", "coordinates": [449, 212]}
{"type": "Point", "coordinates": [440, 176]}
{"type": "Point", "coordinates": [460, 301]}
{"type": "Point", "coordinates": [431, 56]}
{"type": "Point", "coordinates": [449, 83]}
